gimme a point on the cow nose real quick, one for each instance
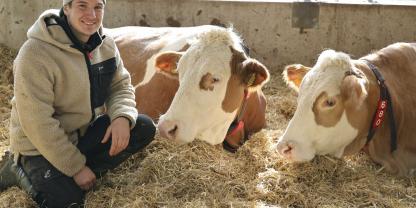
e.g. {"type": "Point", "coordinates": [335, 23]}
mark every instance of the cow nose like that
{"type": "Point", "coordinates": [285, 149]}
{"type": "Point", "coordinates": [167, 129]}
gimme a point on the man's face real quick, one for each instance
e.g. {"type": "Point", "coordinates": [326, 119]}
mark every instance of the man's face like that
{"type": "Point", "coordinates": [85, 17]}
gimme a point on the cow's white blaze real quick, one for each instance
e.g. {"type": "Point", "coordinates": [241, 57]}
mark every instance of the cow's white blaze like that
{"type": "Point", "coordinates": [195, 112]}
{"type": "Point", "coordinates": [173, 42]}
{"type": "Point", "coordinates": [305, 137]}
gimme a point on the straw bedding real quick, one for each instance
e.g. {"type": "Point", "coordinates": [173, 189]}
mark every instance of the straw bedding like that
{"type": "Point", "coordinates": [200, 175]}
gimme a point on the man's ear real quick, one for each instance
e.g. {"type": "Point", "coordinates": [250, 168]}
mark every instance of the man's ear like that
{"type": "Point", "coordinates": [293, 75]}
{"type": "Point", "coordinates": [65, 9]}
{"type": "Point", "coordinates": [255, 73]}
{"type": "Point", "coordinates": [167, 62]}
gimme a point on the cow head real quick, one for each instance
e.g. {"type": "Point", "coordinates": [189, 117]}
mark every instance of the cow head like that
{"type": "Point", "coordinates": [213, 74]}
{"type": "Point", "coordinates": [331, 110]}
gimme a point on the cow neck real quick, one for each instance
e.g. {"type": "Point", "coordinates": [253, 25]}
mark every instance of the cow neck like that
{"type": "Point", "coordinates": [384, 105]}
{"type": "Point", "coordinates": [236, 126]}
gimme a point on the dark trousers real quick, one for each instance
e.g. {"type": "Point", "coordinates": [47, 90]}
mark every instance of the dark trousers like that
{"type": "Point", "coordinates": [58, 190]}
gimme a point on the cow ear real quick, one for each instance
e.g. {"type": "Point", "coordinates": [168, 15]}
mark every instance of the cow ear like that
{"type": "Point", "coordinates": [167, 62]}
{"type": "Point", "coordinates": [256, 74]}
{"type": "Point", "coordinates": [353, 90]}
{"type": "Point", "coordinates": [293, 75]}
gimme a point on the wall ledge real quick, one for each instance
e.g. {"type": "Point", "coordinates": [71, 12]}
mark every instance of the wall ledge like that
{"type": "Point", "coordinates": [342, 2]}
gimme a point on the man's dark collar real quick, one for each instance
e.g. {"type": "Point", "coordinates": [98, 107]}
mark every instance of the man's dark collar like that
{"type": "Point", "coordinates": [95, 40]}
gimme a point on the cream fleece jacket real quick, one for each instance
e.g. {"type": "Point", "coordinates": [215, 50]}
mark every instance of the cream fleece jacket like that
{"type": "Point", "coordinates": [52, 95]}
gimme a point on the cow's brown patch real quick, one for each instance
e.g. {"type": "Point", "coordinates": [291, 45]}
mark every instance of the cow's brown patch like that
{"type": "Point", "coordinates": [237, 58]}
{"type": "Point", "coordinates": [358, 114]}
{"type": "Point", "coordinates": [233, 95]}
{"type": "Point", "coordinates": [243, 70]}
{"type": "Point", "coordinates": [155, 97]}
{"type": "Point", "coordinates": [349, 99]}
{"type": "Point", "coordinates": [135, 53]}
{"type": "Point", "coordinates": [252, 72]}
{"type": "Point", "coordinates": [207, 82]}
{"type": "Point", "coordinates": [254, 114]}
{"type": "Point", "coordinates": [235, 87]}
{"type": "Point", "coordinates": [353, 96]}
{"type": "Point", "coordinates": [397, 64]}
{"type": "Point", "coordinates": [327, 110]}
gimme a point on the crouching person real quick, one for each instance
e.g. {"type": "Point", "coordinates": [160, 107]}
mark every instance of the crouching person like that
{"type": "Point", "coordinates": [73, 112]}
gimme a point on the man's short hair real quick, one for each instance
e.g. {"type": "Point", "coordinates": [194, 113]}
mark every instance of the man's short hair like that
{"type": "Point", "coordinates": [65, 2]}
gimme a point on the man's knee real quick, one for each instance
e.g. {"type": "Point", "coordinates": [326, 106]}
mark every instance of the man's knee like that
{"type": "Point", "coordinates": [146, 126]}
{"type": "Point", "coordinates": [143, 133]}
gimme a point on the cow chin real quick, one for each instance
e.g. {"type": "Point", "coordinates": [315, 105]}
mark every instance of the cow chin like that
{"type": "Point", "coordinates": [214, 135]}
{"type": "Point", "coordinates": [182, 141]}
{"type": "Point", "coordinates": [210, 136]}
{"type": "Point", "coordinates": [185, 135]}
{"type": "Point", "coordinates": [301, 156]}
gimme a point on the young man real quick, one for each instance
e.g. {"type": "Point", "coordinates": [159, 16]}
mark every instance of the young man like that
{"type": "Point", "coordinates": [73, 113]}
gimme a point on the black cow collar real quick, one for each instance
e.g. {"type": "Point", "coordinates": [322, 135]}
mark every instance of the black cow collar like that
{"type": "Point", "coordinates": [384, 104]}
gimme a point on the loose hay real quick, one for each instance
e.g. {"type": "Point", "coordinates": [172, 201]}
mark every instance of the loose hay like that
{"type": "Point", "coordinates": [6, 61]}
{"type": "Point", "coordinates": [7, 56]}
{"type": "Point", "coordinates": [200, 175]}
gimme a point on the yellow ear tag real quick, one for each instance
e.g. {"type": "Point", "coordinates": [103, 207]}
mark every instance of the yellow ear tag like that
{"type": "Point", "coordinates": [174, 71]}
{"type": "Point", "coordinates": [251, 80]}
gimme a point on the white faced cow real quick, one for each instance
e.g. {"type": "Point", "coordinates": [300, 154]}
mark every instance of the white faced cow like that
{"type": "Point", "coordinates": [340, 99]}
{"type": "Point", "coordinates": [201, 74]}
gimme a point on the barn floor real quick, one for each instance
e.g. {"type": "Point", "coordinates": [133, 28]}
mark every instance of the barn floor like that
{"type": "Point", "coordinates": [200, 175]}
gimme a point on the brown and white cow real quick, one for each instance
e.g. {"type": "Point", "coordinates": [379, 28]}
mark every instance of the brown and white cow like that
{"type": "Point", "coordinates": [208, 70]}
{"type": "Point", "coordinates": [338, 99]}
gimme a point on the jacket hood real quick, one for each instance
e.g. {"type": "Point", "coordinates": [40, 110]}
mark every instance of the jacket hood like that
{"type": "Point", "coordinates": [48, 30]}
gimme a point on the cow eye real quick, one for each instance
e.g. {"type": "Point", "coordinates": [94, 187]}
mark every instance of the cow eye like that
{"type": "Point", "coordinates": [215, 80]}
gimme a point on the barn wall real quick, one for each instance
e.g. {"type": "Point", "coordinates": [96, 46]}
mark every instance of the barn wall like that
{"type": "Point", "coordinates": [271, 29]}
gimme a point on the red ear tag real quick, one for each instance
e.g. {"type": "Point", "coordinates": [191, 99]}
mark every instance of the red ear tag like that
{"type": "Point", "coordinates": [236, 129]}
{"type": "Point", "coordinates": [380, 113]}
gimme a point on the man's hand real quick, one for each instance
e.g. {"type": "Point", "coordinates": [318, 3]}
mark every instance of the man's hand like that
{"type": "Point", "coordinates": [85, 178]}
{"type": "Point", "coordinates": [119, 130]}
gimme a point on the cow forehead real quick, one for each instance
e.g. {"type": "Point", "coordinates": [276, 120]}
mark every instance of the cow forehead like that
{"type": "Point", "coordinates": [197, 65]}
{"type": "Point", "coordinates": [317, 82]}
{"type": "Point", "coordinates": [203, 57]}
{"type": "Point", "coordinates": [326, 75]}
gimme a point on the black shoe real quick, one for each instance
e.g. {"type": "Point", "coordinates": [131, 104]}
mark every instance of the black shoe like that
{"type": "Point", "coordinates": [13, 175]}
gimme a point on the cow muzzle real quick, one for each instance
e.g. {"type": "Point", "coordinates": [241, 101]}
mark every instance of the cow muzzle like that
{"type": "Point", "coordinates": [293, 152]}
{"type": "Point", "coordinates": [285, 149]}
{"type": "Point", "coordinates": [168, 129]}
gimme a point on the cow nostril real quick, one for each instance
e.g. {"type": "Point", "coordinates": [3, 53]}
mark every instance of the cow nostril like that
{"type": "Point", "coordinates": [172, 132]}
{"type": "Point", "coordinates": [287, 150]}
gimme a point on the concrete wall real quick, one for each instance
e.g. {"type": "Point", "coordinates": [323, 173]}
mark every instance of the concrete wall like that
{"type": "Point", "coordinates": [266, 26]}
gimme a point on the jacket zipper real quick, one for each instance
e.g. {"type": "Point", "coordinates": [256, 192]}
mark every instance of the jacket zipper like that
{"type": "Point", "coordinates": [88, 62]}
